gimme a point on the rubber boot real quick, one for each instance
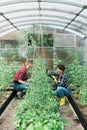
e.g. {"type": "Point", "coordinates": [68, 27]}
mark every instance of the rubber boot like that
{"type": "Point", "coordinates": [62, 101]}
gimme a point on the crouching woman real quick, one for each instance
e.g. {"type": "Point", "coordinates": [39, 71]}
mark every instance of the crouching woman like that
{"type": "Point", "coordinates": [61, 80]}
{"type": "Point", "coordinates": [20, 78]}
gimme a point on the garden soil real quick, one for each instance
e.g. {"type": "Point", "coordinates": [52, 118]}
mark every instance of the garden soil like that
{"type": "Point", "coordinates": [70, 116]}
{"type": "Point", "coordinates": [82, 108]}
{"type": "Point", "coordinates": [7, 118]}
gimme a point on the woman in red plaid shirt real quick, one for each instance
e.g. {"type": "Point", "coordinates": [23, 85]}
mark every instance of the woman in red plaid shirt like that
{"type": "Point", "coordinates": [21, 77]}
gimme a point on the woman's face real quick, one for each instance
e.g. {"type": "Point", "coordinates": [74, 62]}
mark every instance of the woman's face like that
{"type": "Point", "coordinates": [28, 65]}
{"type": "Point", "coordinates": [59, 71]}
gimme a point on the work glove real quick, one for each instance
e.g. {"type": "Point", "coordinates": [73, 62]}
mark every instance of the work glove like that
{"type": "Point", "coordinates": [54, 78]}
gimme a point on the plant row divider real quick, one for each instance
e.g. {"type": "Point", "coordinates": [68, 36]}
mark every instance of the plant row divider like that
{"type": "Point", "coordinates": [78, 112]}
{"type": "Point", "coordinates": [6, 103]}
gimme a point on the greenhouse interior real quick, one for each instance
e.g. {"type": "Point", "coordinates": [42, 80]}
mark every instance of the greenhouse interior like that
{"type": "Point", "coordinates": [39, 35]}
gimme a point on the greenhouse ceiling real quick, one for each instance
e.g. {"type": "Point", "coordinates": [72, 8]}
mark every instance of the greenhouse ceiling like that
{"type": "Point", "coordinates": [66, 15]}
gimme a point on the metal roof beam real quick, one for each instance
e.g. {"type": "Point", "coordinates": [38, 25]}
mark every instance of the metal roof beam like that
{"type": "Point", "coordinates": [74, 18]}
{"type": "Point", "coordinates": [8, 21]}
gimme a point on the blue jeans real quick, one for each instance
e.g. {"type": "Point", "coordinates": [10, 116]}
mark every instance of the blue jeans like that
{"type": "Point", "coordinates": [61, 92]}
{"type": "Point", "coordinates": [20, 87]}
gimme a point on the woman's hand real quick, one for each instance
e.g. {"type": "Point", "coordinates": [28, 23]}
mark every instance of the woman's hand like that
{"type": "Point", "coordinates": [21, 81]}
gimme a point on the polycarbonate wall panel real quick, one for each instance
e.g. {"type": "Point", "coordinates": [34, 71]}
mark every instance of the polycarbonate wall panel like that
{"type": "Point", "coordinates": [64, 40]}
{"type": "Point", "coordinates": [67, 55]}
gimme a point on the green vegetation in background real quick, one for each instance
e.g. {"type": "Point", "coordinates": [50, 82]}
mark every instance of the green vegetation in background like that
{"type": "Point", "coordinates": [40, 108]}
{"type": "Point", "coordinates": [26, 36]}
{"type": "Point", "coordinates": [46, 41]}
{"type": "Point", "coordinates": [7, 72]}
{"type": "Point", "coordinates": [78, 77]}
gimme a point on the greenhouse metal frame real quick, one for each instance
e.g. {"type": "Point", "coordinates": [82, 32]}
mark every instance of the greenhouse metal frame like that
{"type": "Point", "coordinates": [66, 15]}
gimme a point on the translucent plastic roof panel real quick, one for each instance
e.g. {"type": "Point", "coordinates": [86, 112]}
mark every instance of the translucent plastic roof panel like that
{"type": "Point", "coordinates": [18, 7]}
{"type": "Point", "coordinates": [59, 6]}
{"type": "Point", "coordinates": [70, 15]}
{"type": "Point", "coordinates": [57, 13]}
{"type": "Point", "coordinates": [21, 14]}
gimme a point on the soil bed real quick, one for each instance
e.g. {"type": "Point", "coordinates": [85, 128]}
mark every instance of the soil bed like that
{"type": "Point", "coordinates": [83, 109]}
{"type": "Point", "coordinates": [7, 118]}
{"type": "Point", "coordinates": [69, 115]}
{"type": "Point", "coordinates": [3, 97]}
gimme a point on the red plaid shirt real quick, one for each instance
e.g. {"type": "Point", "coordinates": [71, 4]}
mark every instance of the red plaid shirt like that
{"type": "Point", "coordinates": [21, 75]}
